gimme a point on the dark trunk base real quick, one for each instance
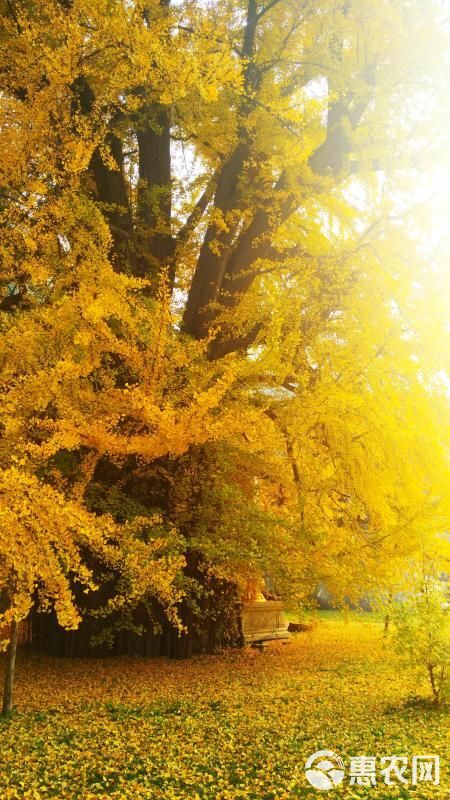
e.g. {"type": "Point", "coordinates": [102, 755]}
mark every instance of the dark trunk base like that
{"type": "Point", "coordinates": [211, 634]}
{"type": "Point", "coordinates": [10, 670]}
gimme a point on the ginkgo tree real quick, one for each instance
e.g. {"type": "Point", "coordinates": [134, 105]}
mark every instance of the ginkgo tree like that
{"type": "Point", "coordinates": [213, 308]}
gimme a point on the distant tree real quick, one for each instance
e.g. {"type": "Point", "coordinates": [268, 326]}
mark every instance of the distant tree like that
{"type": "Point", "coordinates": [422, 631]}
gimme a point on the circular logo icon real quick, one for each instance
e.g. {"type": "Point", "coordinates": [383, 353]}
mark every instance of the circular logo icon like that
{"type": "Point", "coordinates": [324, 770]}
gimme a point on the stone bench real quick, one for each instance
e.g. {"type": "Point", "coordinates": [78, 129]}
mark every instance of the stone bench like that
{"type": "Point", "coordinates": [264, 621]}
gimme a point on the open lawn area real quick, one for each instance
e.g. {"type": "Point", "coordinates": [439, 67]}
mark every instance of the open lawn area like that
{"type": "Point", "coordinates": [240, 725]}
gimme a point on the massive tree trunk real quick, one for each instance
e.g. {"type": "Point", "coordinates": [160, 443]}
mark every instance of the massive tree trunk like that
{"type": "Point", "coordinates": [154, 193]}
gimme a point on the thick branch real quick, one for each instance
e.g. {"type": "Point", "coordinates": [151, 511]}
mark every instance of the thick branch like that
{"type": "Point", "coordinates": [111, 190]}
{"type": "Point", "coordinates": [211, 264]}
{"type": "Point", "coordinates": [197, 213]}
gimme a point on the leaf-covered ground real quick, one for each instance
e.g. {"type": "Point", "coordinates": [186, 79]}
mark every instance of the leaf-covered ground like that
{"type": "Point", "coordinates": [228, 727]}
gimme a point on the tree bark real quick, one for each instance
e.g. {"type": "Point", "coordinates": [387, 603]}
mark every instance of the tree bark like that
{"type": "Point", "coordinates": [217, 243]}
{"type": "Point", "coordinates": [387, 617]}
{"type": "Point", "coordinates": [154, 206]}
{"type": "Point", "coordinates": [10, 669]}
{"type": "Point", "coordinates": [110, 184]}
{"type": "Point", "coordinates": [434, 688]}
